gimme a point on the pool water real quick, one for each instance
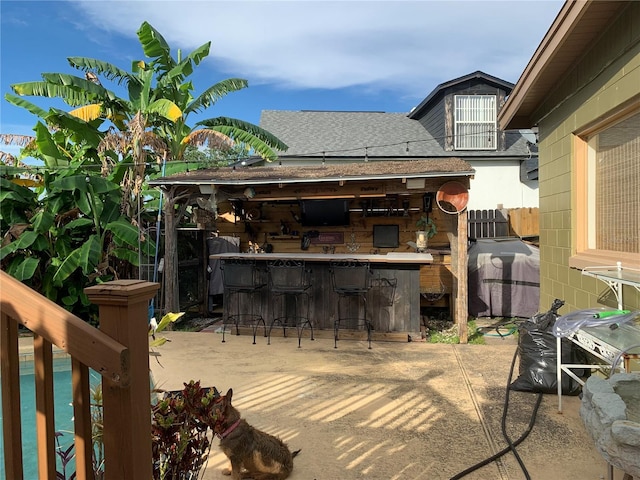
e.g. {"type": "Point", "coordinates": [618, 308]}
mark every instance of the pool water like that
{"type": "Point", "coordinates": [63, 413]}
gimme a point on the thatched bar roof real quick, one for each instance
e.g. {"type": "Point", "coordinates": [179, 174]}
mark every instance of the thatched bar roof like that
{"type": "Point", "coordinates": [375, 170]}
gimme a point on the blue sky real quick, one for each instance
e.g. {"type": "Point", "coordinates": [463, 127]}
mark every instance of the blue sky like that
{"type": "Point", "coordinates": [297, 55]}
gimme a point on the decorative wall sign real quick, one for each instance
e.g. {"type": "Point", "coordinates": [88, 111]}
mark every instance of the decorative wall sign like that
{"type": "Point", "coordinates": [328, 238]}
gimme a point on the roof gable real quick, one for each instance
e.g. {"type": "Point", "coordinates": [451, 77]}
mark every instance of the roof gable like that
{"type": "Point", "coordinates": [459, 83]}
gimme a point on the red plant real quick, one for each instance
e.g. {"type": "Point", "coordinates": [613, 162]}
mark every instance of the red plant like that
{"type": "Point", "coordinates": [181, 430]}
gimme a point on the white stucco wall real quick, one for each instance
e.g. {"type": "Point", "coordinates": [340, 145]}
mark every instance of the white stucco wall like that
{"type": "Point", "coordinates": [498, 182]}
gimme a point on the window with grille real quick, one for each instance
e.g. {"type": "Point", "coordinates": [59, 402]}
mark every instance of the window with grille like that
{"type": "Point", "coordinates": [475, 122]}
{"type": "Point", "coordinates": [608, 193]}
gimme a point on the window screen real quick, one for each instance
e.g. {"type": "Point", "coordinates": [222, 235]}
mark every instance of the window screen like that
{"type": "Point", "coordinates": [475, 122]}
{"type": "Point", "coordinates": [616, 185]}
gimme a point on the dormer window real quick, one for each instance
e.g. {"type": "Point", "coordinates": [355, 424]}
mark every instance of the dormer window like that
{"type": "Point", "coordinates": [475, 122]}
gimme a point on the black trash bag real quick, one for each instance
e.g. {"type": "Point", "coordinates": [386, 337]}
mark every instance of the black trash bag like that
{"type": "Point", "coordinates": [538, 356]}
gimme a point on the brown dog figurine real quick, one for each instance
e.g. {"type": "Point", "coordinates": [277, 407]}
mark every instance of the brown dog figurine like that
{"type": "Point", "coordinates": [253, 454]}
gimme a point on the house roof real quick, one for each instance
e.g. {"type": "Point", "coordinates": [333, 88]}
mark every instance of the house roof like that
{"type": "Point", "coordinates": [575, 28]}
{"type": "Point", "coordinates": [430, 168]}
{"type": "Point", "coordinates": [349, 135]}
{"type": "Point", "coordinates": [440, 90]}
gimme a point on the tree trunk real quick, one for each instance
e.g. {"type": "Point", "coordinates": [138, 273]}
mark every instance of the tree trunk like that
{"type": "Point", "coordinates": [171, 289]}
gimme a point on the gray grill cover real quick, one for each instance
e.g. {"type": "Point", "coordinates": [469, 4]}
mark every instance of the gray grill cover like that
{"type": "Point", "coordinates": [504, 278]}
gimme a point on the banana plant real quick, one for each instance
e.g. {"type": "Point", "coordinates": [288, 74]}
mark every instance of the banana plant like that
{"type": "Point", "coordinates": [69, 239]}
{"type": "Point", "coordinates": [130, 137]}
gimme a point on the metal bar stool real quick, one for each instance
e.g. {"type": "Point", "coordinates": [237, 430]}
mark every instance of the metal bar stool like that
{"type": "Point", "coordinates": [240, 276]}
{"type": "Point", "coordinates": [351, 279]}
{"type": "Point", "coordinates": [289, 281]}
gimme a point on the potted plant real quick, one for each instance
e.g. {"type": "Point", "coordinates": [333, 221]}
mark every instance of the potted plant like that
{"type": "Point", "coordinates": [426, 230]}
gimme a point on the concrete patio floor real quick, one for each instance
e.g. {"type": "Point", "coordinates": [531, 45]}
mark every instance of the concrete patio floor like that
{"type": "Point", "coordinates": [398, 411]}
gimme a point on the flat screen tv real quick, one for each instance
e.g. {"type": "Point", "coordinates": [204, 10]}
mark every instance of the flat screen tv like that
{"type": "Point", "coordinates": [386, 236]}
{"type": "Point", "coordinates": [324, 213]}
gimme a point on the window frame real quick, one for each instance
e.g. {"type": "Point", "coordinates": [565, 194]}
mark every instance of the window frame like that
{"type": "Point", "coordinates": [584, 204]}
{"type": "Point", "coordinates": [457, 138]}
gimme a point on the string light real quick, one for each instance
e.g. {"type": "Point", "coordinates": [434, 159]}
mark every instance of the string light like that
{"type": "Point", "coordinates": [243, 159]}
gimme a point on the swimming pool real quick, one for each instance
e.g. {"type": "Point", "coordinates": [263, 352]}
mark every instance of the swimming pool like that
{"type": "Point", "coordinates": [63, 412]}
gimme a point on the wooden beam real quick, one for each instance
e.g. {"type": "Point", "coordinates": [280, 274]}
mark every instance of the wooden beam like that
{"type": "Point", "coordinates": [68, 332]}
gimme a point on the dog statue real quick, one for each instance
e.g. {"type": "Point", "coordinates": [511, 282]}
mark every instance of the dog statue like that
{"type": "Point", "coordinates": [252, 453]}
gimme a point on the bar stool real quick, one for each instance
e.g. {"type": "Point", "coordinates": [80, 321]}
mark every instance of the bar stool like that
{"type": "Point", "coordinates": [240, 276]}
{"type": "Point", "coordinates": [289, 280]}
{"type": "Point", "coordinates": [351, 279]}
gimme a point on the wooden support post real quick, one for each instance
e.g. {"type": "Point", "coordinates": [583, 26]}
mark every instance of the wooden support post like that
{"type": "Point", "coordinates": [127, 408]}
{"type": "Point", "coordinates": [10, 377]}
{"type": "Point", "coordinates": [45, 421]}
{"type": "Point", "coordinates": [462, 300]}
{"type": "Point", "coordinates": [82, 420]}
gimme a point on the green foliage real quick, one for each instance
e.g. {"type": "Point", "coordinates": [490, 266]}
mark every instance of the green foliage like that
{"type": "Point", "coordinates": [474, 336]}
{"type": "Point", "coordinates": [428, 225]}
{"type": "Point", "coordinates": [80, 225]}
{"type": "Point", "coordinates": [66, 236]}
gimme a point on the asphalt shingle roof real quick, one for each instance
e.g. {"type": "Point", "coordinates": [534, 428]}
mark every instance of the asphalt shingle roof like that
{"type": "Point", "coordinates": [354, 134]}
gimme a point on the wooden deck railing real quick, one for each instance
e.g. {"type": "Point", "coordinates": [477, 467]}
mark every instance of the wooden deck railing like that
{"type": "Point", "coordinates": [119, 351]}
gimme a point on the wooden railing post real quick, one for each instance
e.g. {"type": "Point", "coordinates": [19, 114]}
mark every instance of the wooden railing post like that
{"type": "Point", "coordinates": [127, 409]}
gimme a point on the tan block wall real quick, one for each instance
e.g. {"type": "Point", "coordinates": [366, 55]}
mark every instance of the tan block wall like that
{"type": "Point", "coordinates": [608, 76]}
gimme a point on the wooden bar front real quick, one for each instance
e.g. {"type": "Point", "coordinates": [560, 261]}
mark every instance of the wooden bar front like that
{"type": "Point", "coordinates": [390, 309]}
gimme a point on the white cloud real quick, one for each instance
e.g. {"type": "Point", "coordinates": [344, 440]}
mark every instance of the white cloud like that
{"type": "Point", "coordinates": [405, 46]}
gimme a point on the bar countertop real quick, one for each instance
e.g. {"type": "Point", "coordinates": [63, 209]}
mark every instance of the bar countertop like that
{"type": "Point", "coordinates": [391, 257]}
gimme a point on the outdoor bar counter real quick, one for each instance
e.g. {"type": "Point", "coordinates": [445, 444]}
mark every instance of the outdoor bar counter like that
{"type": "Point", "coordinates": [391, 308]}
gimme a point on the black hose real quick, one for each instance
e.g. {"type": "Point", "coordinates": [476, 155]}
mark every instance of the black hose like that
{"type": "Point", "coordinates": [511, 444]}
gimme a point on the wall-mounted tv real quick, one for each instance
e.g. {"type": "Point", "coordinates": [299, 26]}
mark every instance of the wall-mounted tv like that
{"type": "Point", "coordinates": [386, 236]}
{"type": "Point", "coordinates": [324, 213]}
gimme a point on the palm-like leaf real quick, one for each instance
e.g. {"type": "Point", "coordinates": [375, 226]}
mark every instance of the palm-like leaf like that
{"type": "Point", "coordinates": [69, 265]}
{"type": "Point", "coordinates": [109, 71]}
{"type": "Point", "coordinates": [125, 232]}
{"type": "Point", "coordinates": [21, 102]}
{"type": "Point", "coordinates": [185, 67]}
{"type": "Point", "coordinates": [165, 108]}
{"type": "Point", "coordinates": [155, 46]}
{"type": "Point", "coordinates": [210, 138]}
{"type": "Point", "coordinates": [24, 269]}
{"type": "Point", "coordinates": [212, 94]}
{"type": "Point", "coordinates": [254, 130]}
{"type": "Point", "coordinates": [81, 130]}
{"type": "Point", "coordinates": [88, 112]}
{"type": "Point", "coordinates": [48, 149]}
{"type": "Point", "coordinates": [70, 96]}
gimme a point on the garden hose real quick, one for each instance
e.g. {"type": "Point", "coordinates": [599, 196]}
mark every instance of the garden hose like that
{"type": "Point", "coordinates": [498, 333]}
{"type": "Point", "coordinates": [511, 444]}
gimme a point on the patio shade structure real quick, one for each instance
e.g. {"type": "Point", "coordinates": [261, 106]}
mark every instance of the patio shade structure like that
{"type": "Point", "coordinates": [354, 180]}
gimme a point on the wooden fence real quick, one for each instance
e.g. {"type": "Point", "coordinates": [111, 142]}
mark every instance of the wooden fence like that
{"type": "Point", "coordinates": [518, 222]}
{"type": "Point", "coordinates": [119, 351]}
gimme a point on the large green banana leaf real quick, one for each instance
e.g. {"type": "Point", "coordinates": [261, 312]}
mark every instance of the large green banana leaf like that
{"type": "Point", "coordinates": [49, 151]}
{"type": "Point", "coordinates": [42, 221]}
{"type": "Point", "coordinates": [214, 93]}
{"type": "Point", "coordinates": [109, 71]}
{"type": "Point", "coordinates": [85, 257]}
{"type": "Point", "coordinates": [228, 126]}
{"type": "Point", "coordinates": [23, 268]}
{"type": "Point", "coordinates": [153, 44]}
{"type": "Point", "coordinates": [125, 232]}
{"type": "Point", "coordinates": [21, 102]}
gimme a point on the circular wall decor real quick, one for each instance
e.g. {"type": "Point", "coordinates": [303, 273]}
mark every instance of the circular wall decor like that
{"type": "Point", "coordinates": [452, 197]}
